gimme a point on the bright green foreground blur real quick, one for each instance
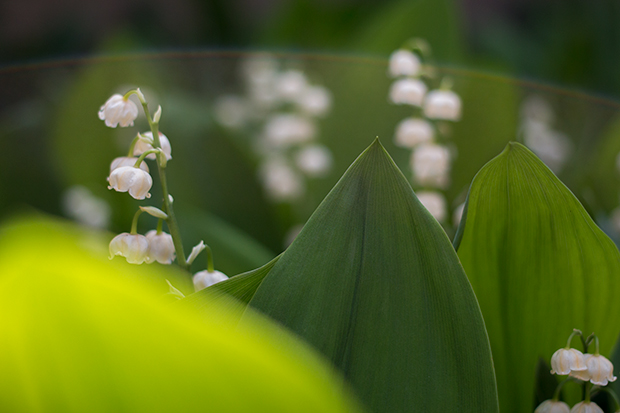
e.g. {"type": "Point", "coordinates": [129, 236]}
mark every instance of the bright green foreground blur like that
{"type": "Point", "coordinates": [80, 333]}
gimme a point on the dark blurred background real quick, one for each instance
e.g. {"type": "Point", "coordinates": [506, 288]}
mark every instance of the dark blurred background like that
{"type": "Point", "coordinates": [60, 60]}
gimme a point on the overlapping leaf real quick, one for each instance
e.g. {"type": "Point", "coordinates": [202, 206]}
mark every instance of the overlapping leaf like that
{"type": "Point", "coordinates": [539, 267]}
{"type": "Point", "coordinates": [373, 283]}
{"type": "Point", "coordinates": [82, 334]}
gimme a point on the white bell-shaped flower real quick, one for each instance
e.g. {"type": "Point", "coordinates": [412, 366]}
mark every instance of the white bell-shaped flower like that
{"type": "Point", "coordinates": [404, 63]}
{"type": "Point", "coordinates": [133, 180]}
{"type": "Point", "coordinates": [127, 161]}
{"type": "Point", "coordinates": [408, 92]}
{"type": "Point", "coordinates": [599, 370]}
{"type": "Point", "coordinates": [204, 279]}
{"type": "Point", "coordinates": [434, 202]}
{"type": "Point", "coordinates": [584, 407]}
{"type": "Point", "coordinates": [280, 181]}
{"type": "Point", "coordinates": [412, 131]}
{"type": "Point", "coordinates": [118, 110]}
{"type": "Point", "coordinates": [283, 130]}
{"type": "Point", "coordinates": [314, 160]}
{"type": "Point", "coordinates": [143, 145]}
{"type": "Point", "coordinates": [315, 101]}
{"type": "Point", "coordinates": [133, 247]}
{"type": "Point", "coordinates": [430, 164]}
{"type": "Point", "coordinates": [442, 104]}
{"type": "Point", "coordinates": [161, 248]}
{"type": "Point", "coordinates": [291, 84]}
{"type": "Point", "coordinates": [566, 360]}
{"type": "Point", "coordinates": [552, 406]}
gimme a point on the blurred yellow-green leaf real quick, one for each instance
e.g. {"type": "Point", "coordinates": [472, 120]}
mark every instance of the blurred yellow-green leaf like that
{"type": "Point", "coordinates": [80, 333]}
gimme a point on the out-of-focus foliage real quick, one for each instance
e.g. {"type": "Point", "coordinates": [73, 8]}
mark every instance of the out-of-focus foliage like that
{"type": "Point", "coordinates": [539, 267]}
{"type": "Point", "coordinates": [80, 333]}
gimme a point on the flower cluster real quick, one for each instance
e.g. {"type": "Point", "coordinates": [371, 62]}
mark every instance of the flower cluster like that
{"type": "Point", "coordinates": [284, 107]}
{"type": "Point", "coordinates": [420, 133]}
{"type": "Point", "coordinates": [593, 368]}
{"type": "Point", "coordinates": [131, 174]}
{"type": "Point", "coordinates": [550, 145]}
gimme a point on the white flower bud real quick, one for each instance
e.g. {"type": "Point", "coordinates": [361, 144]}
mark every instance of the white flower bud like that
{"type": "Point", "coordinates": [584, 407]}
{"type": "Point", "coordinates": [314, 160]}
{"type": "Point", "coordinates": [291, 84]}
{"type": "Point", "coordinates": [442, 104]}
{"type": "Point", "coordinates": [552, 406]}
{"type": "Point", "coordinates": [143, 146]}
{"type": "Point", "coordinates": [404, 63]}
{"type": "Point", "coordinates": [127, 161]}
{"type": "Point", "coordinates": [411, 132]}
{"type": "Point", "coordinates": [430, 164]}
{"type": "Point", "coordinates": [161, 248]}
{"type": "Point", "coordinates": [280, 181]}
{"type": "Point", "coordinates": [434, 202]}
{"type": "Point", "coordinates": [204, 279]}
{"type": "Point", "coordinates": [315, 101]}
{"type": "Point", "coordinates": [157, 115]}
{"type": "Point", "coordinates": [134, 180]}
{"type": "Point", "coordinates": [283, 130]}
{"type": "Point", "coordinates": [133, 247]}
{"type": "Point", "coordinates": [195, 251]}
{"type": "Point", "coordinates": [566, 360]}
{"type": "Point", "coordinates": [599, 370]}
{"type": "Point", "coordinates": [118, 110]}
{"type": "Point", "coordinates": [408, 92]}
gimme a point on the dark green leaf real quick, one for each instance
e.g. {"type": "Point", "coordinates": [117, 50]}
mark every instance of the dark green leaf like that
{"type": "Point", "coordinates": [373, 282]}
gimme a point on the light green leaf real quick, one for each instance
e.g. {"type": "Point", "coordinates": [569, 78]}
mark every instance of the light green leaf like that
{"type": "Point", "coordinates": [80, 333]}
{"type": "Point", "coordinates": [539, 266]}
{"type": "Point", "coordinates": [373, 282]}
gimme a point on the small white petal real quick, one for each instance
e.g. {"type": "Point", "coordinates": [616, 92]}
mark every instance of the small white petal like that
{"type": "Point", "coordinates": [127, 161]}
{"type": "Point", "coordinates": [442, 104]}
{"type": "Point", "coordinates": [195, 251]}
{"type": "Point", "coordinates": [133, 180]}
{"type": "Point", "coordinates": [404, 63]}
{"type": "Point", "coordinates": [551, 406]}
{"type": "Point", "coordinates": [118, 110]}
{"type": "Point", "coordinates": [161, 248]}
{"type": "Point", "coordinates": [411, 132]}
{"type": "Point", "coordinates": [584, 407]}
{"type": "Point", "coordinates": [408, 92]}
{"type": "Point", "coordinates": [143, 146]}
{"type": "Point", "coordinates": [133, 247]}
{"type": "Point", "coordinates": [567, 360]}
{"type": "Point", "coordinates": [430, 164]}
{"type": "Point", "coordinates": [204, 279]}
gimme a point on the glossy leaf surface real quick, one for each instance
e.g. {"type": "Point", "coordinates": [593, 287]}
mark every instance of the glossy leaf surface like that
{"type": "Point", "coordinates": [539, 267]}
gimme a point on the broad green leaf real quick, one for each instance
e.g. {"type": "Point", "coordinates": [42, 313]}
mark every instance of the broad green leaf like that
{"type": "Point", "coordinates": [373, 283]}
{"type": "Point", "coordinates": [539, 266]}
{"type": "Point", "coordinates": [80, 333]}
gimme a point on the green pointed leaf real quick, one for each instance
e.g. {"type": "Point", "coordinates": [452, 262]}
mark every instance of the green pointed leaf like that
{"type": "Point", "coordinates": [81, 333]}
{"type": "Point", "coordinates": [373, 283]}
{"type": "Point", "coordinates": [539, 266]}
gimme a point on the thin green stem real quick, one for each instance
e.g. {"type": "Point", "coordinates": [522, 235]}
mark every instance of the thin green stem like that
{"type": "Point", "coordinates": [173, 226]}
{"type": "Point", "coordinates": [134, 222]}
{"type": "Point", "coordinates": [144, 155]}
{"type": "Point", "coordinates": [570, 338]}
{"type": "Point", "coordinates": [133, 145]}
{"type": "Point", "coordinates": [210, 266]}
{"type": "Point", "coordinates": [588, 390]}
{"type": "Point", "coordinates": [596, 353]}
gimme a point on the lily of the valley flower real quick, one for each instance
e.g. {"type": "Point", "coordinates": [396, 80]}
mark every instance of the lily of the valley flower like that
{"type": "Point", "coordinates": [143, 145]}
{"type": "Point", "coordinates": [404, 63]}
{"type": "Point", "coordinates": [411, 132]}
{"type": "Point", "coordinates": [204, 279]}
{"type": "Point", "coordinates": [127, 161]}
{"type": "Point", "coordinates": [134, 180]}
{"type": "Point", "coordinates": [161, 248]}
{"type": "Point", "coordinates": [599, 370]}
{"type": "Point", "coordinates": [134, 247]}
{"type": "Point", "coordinates": [442, 104]}
{"type": "Point", "coordinates": [585, 407]}
{"type": "Point", "coordinates": [552, 406]}
{"type": "Point", "coordinates": [567, 360]}
{"type": "Point", "coordinates": [408, 92]}
{"type": "Point", "coordinates": [118, 110]}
